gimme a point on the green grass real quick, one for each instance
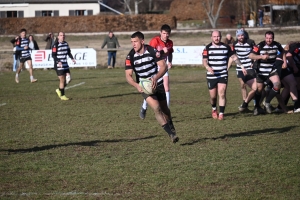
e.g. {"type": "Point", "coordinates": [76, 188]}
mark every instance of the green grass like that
{"type": "Point", "coordinates": [96, 147]}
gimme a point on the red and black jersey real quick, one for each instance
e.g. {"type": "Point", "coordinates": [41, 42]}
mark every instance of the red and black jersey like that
{"type": "Point", "coordinates": [158, 44]}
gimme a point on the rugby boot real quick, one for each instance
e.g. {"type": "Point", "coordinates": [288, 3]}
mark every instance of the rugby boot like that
{"type": "Point", "coordinates": [17, 79]}
{"type": "Point", "coordinates": [33, 80]}
{"type": "Point", "coordinates": [268, 108]}
{"type": "Point", "coordinates": [221, 116]}
{"type": "Point", "coordinates": [64, 98]}
{"type": "Point", "coordinates": [174, 138]}
{"type": "Point", "coordinates": [214, 114]}
{"type": "Point", "coordinates": [58, 92]}
{"type": "Point", "coordinates": [143, 113]}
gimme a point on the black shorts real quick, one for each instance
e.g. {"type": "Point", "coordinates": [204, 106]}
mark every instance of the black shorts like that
{"type": "Point", "coordinates": [212, 83]}
{"type": "Point", "coordinates": [262, 79]}
{"type": "Point", "coordinates": [160, 93]}
{"type": "Point", "coordinates": [62, 72]}
{"type": "Point", "coordinates": [23, 60]}
{"type": "Point", "coordinates": [251, 74]}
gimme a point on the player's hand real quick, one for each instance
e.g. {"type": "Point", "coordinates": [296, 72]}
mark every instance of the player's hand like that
{"type": "Point", "coordinates": [210, 70]}
{"type": "Point", "coordinates": [154, 82]}
{"type": "Point", "coordinates": [265, 56]}
{"type": "Point", "coordinates": [59, 64]}
{"type": "Point", "coordinates": [26, 47]}
{"type": "Point", "coordinates": [169, 65]}
{"type": "Point", "coordinates": [74, 61]}
{"type": "Point", "coordinates": [165, 49]}
{"type": "Point", "coordinates": [139, 88]}
{"type": "Point", "coordinates": [244, 71]}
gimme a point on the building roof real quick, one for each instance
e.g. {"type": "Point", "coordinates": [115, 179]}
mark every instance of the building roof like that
{"type": "Point", "coordinates": [46, 1]}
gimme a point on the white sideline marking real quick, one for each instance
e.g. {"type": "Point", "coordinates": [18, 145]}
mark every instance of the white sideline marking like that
{"type": "Point", "coordinates": [74, 193]}
{"type": "Point", "coordinates": [74, 85]}
{"type": "Point", "coordinates": [3, 104]}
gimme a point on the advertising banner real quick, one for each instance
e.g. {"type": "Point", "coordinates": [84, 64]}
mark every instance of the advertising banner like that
{"type": "Point", "coordinates": [187, 55]}
{"type": "Point", "coordinates": [86, 57]}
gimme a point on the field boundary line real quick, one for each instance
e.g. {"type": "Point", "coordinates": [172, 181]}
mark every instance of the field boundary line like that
{"type": "Point", "coordinates": [2, 104]}
{"type": "Point", "coordinates": [74, 85]}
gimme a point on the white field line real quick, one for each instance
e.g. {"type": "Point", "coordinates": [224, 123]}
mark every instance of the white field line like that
{"type": "Point", "coordinates": [74, 85]}
{"type": "Point", "coordinates": [74, 193]}
{"type": "Point", "coordinates": [2, 104]}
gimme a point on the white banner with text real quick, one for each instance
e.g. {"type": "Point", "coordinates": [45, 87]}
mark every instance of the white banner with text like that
{"type": "Point", "coordinates": [187, 55]}
{"type": "Point", "coordinates": [86, 57]}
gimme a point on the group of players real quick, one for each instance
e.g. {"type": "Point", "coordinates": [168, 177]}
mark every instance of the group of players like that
{"type": "Point", "coordinates": [265, 68]}
{"type": "Point", "coordinates": [60, 53]}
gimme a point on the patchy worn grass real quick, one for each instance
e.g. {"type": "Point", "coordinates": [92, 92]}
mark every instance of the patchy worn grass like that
{"type": "Point", "coordinates": [96, 146]}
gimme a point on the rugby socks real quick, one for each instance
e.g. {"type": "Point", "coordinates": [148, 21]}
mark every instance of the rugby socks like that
{"type": "Point", "coordinates": [62, 91]}
{"type": "Point", "coordinates": [257, 98]}
{"type": "Point", "coordinates": [168, 98]}
{"type": "Point", "coordinates": [222, 109]}
{"type": "Point", "coordinates": [271, 95]}
{"type": "Point", "coordinates": [244, 105]}
{"type": "Point", "coordinates": [31, 78]}
{"type": "Point", "coordinates": [167, 128]}
{"type": "Point", "coordinates": [170, 122]}
{"type": "Point", "coordinates": [296, 104]}
{"type": "Point", "coordinates": [214, 106]}
{"type": "Point", "coordinates": [144, 105]}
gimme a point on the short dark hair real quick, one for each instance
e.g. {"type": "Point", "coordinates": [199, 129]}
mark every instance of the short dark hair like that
{"type": "Point", "coordinates": [270, 33]}
{"type": "Point", "coordinates": [138, 34]}
{"type": "Point", "coordinates": [166, 28]}
{"type": "Point", "coordinates": [23, 30]}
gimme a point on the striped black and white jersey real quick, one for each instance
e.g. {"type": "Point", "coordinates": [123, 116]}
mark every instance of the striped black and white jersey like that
{"type": "Point", "coordinates": [242, 50]}
{"type": "Point", "coordinates": [295, 51]}
{"type": "Point", "coordinates": [60, 53]}
{"type": "Point", "coordinates": [266, 66]}
{"type": "Point", "coordinates": [23, 42]}
{"type": "Point", "coordinates": [144, 65]}
{"type": "Point", "coordinates": [217, 57]}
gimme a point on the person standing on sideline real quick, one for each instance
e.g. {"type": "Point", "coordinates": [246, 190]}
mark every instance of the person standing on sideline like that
{"type": "Point", "coordinates": [228, 40]}
{"type": "Point", "coordinates": [242, 48]}
{"type": "Point", "coordinates": [32, 43]}
{"type": "Point", "coordinates": [260, 17]}
{"type": "Point", "coordinates": [112, 43]}
{"type": "Point", "coordinates": [215, 59]}
{"type": "Point", "coordinates": [163, 44]}
{"type": "Point", "coordinates": [50, 39]}
{"type": "Point", "coordinates": [15, 53]}
{"type": "Point", "coordinates": [144, 61]}
{"type": "Point", "coordinates": [22, 45]}
{"type": "Point", "coordinates": [60, 53]}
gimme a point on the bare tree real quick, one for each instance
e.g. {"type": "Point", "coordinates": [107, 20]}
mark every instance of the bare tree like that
{"type": "Point", "coordinates": [136, 6]}
{"type": "Point", "coordinates": [209, 7]}
{"type": "Point", "coordinates": [126, 4]}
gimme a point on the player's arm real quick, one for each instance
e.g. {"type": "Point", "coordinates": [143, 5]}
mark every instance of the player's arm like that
{"type": "Point", "coordinates": [162, 70]}
{"type": "Point", "coordinates": [130, 80]}
{"type": "Point", "coordinates": [205, 61]}
{"type": "Point", "coordinates": [237, 61]}
{"type": "Point", "coordinates": [291, 61]}
{"type": "Point", "coordinates": [70, 55]}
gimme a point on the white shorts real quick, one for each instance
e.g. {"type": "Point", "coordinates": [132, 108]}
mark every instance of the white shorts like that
{"type": "Point", "coordinates": [166, 74]}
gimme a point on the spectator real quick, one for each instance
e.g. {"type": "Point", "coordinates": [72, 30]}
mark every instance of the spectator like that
{"type": "Point", "coordinates": [228, 40]}
{"type": "Point", "coordinates": [32, 43]}
{"type": "Point", "coordinates": [15, 53]}
{"type": "Point", "coordinates": [50, 39]}
{"type": "Point", "coordinates": [260, 17]}
{"type": "Point", "coordinates": [112, 43]}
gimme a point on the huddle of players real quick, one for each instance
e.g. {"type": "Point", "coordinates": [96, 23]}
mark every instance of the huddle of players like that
{"type": "Point", "coordinates": [60, 53]}
{"type": "Point", "coordinates": [267, 65]}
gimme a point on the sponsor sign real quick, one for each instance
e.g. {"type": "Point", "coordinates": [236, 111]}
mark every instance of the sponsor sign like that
{"type": "Point", "coordinates": [187, 55]}
{"type": "Point", "coordinates": [86, 57]}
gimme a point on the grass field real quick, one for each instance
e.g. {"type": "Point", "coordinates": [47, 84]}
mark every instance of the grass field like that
{"type": "Point", "coordinates": [96, 147]}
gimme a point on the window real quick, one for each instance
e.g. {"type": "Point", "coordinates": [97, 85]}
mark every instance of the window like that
{"type": "Point", "coordinates": [46, 13]}
{"type": "Point", "coordinates": [11, 13]}
{"type": "Point", "coordinates": [80, 12]}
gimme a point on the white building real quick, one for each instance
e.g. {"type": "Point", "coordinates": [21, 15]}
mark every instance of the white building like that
{"type": "Point", "coordinates": [43, 8]}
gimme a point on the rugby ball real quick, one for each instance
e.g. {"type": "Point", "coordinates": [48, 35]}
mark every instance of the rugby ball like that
{"type": "Point", "coordinates": [146, 85]}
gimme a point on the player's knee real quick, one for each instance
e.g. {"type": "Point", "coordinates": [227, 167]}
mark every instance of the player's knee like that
{"type": "Point", "coordinates": [276, 86]}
